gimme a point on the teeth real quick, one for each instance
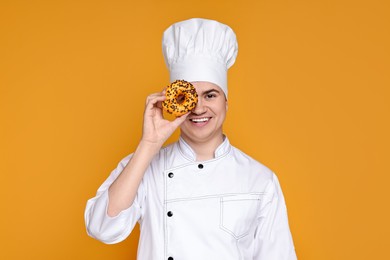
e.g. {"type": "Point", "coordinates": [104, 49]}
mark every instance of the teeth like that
{"type": "Point", "coordinates": [199, 120]}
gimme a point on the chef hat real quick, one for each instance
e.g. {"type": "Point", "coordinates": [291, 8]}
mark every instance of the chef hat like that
{"type": "Point", "coordinates": [200, 50]}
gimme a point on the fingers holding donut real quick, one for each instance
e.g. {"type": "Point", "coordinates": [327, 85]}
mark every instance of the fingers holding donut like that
{"type": "Point", "coordinates": [178, 99]}
{"type": "Point", "coordinates": [154, 98]}
{"type": "Point", "coordinates": [156, 129]}
{"type": "Point", "coordinates": [153, 102]}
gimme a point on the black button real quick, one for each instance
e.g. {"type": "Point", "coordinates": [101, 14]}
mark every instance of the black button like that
{"type": "Point", "coordinates": [170, 258]}
{"type": "Point", "coordinates": [170, 175]}
{"type": "Point", "coordinates": [170, 214]}
{"type": "Point", "coordinates": [200, 166]}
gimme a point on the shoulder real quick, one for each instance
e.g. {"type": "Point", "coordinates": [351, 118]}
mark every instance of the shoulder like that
{"type": "Point", "coordinates": [164, 158]}
{"type": "Point", "coordinates": [249, 164]}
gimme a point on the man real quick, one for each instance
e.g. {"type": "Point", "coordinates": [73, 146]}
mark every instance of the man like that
{"type": "Point", "coordinates": [199, 198]}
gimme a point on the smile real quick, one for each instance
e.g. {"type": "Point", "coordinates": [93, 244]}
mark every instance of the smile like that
{"type": "Point", "coordinates": [200, 120]}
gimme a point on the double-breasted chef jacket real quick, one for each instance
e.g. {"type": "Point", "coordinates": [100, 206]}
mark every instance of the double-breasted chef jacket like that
{"type": "Point", "coordinates": [227, 208]}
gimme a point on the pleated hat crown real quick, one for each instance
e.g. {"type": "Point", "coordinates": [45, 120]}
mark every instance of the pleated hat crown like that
{"type": "Point", "coordinates": [200, 50]}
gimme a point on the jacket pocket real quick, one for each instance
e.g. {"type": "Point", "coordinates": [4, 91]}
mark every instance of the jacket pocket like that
{"type": "Point", "coordinates": [239, 213]}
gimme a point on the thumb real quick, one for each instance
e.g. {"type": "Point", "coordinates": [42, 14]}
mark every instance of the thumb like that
{"type": "Point", "coordinates": [179, 120]}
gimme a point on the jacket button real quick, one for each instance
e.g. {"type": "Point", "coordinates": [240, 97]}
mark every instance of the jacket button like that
{"type": "Point", "coordinates": [170, 175]}
{"type": "Point", "coordinates": [170, 258]}
{"type": "Point", "coordinates": [200, 166]}
{"type": "Point", "coordinates": [170, 214]}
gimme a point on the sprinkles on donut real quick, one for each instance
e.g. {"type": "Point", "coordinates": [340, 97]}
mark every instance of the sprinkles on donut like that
{"type": "Point", "coordinates": [181, 98]}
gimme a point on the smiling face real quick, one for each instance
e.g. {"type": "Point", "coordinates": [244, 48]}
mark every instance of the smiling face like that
{"type": "Point", "coordinates": [204, 124]}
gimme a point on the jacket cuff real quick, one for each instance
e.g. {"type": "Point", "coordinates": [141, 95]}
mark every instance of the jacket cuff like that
{"type": "Point", "coordinates": [108, 229]}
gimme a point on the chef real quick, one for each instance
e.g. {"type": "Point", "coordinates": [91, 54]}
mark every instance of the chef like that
{"type": "Point", "coordinates": [200, 197]}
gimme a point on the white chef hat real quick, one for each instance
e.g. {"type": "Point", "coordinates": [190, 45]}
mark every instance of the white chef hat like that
{"type": "Point", "coordinates": [200, 50]}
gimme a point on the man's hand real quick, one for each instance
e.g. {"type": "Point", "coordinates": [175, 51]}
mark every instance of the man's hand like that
{"type": "Point", "coordinates": [156, 129]}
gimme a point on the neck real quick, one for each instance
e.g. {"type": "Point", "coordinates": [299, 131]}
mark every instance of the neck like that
{"type": "Point", "coordinates": [204, 150]}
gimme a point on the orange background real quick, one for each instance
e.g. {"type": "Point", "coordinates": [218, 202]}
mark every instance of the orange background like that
{"type": "Point", "coordinates": [308, 97]}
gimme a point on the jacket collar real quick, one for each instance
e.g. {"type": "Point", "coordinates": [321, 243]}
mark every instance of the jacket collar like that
{"type": "Point", "coordinates": [186, 150]}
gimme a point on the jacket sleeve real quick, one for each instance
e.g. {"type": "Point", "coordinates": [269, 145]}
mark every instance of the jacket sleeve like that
{"type": "Point", "coordinates": [108, 229]}
{"type": "Point", "coordinates": [273, 236]}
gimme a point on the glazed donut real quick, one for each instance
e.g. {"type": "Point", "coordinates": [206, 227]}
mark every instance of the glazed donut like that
{"type": "Point", "coordinates": [181, 97]}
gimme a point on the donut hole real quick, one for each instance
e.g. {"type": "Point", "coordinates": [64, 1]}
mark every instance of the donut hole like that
{"type": "Point", "coordinates": [180, 98]}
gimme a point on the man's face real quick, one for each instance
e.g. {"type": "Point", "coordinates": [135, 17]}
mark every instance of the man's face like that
{"type": "Point", "coordinates": [204, 123]}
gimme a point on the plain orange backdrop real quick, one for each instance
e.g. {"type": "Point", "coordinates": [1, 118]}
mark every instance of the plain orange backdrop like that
{"type": "Point", "coordinates": [308, 97]}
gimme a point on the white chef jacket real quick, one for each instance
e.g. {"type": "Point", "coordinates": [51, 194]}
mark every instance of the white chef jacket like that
{"type": "Point", "coordinates": [227, 208]}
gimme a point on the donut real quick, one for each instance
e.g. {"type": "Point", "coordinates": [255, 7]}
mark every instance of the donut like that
{"type": "Point", "coordinates": [181, 97]}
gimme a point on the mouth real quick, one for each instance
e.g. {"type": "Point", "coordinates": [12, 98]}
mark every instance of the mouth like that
{"type": "Point", "coordinates": [200, 120]}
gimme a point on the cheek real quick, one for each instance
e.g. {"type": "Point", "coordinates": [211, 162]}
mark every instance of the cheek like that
{"type": "Point", "coordinates": [224, 107]}
{"type": "Point", "coordinates": [221, 112]}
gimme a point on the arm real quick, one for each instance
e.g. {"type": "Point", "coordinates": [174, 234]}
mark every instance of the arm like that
{"type": "Point", "coordinates": [112, 213]}
{"type": "Point", "coordinates": [273, 236]}
{"type": "Point", "coordinates": [156, 131]}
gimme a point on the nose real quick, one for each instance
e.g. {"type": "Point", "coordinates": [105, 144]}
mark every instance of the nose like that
{"type": "Point", "coordinates": [199, 108]}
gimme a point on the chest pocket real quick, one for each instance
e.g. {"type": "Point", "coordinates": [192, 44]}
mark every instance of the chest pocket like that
{"type": "Point", "coordinates": [239, 213]}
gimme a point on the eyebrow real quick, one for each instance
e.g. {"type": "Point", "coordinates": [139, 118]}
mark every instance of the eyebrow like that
{"type": "Point", "coordinates": [209, 91]}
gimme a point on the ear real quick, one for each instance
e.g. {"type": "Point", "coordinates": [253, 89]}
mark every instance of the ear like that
{"type": "Point", "coordinates": [226, 104]}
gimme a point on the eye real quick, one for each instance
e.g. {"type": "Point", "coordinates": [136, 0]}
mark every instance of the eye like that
{"type": "Point", "coordinates": [210, 95]}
